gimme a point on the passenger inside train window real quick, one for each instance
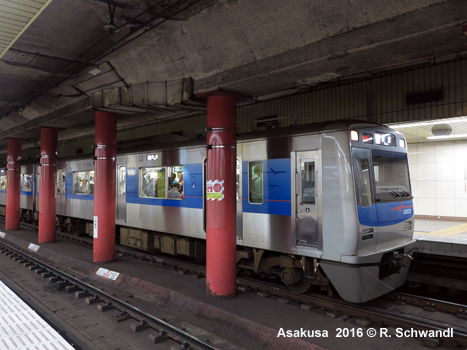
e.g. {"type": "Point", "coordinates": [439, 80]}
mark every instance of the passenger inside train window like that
{"type": "Point", "coordinates": [255, 183]}
{"type": "Point", "coordinates": [180, 182]}
{"type": "Point", "coordinates": [175, 175]}
{"type": "Point", "coordinates": [3, 182]}
{"type": "Point", "coordinates": [152, 183]}
{"type": "Point", "coordinates": [26, 180]}
{"type": "Point", "coordinates": [91, 185]}
{"type": "Point", "coordinates": [174, 191]}
{"type": "Point", "coordinates": [83, 182]}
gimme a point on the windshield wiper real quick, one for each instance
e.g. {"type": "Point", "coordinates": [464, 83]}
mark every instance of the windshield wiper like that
{"type": "Point", "coordinates": [396, 192]}
{"type": "Point", "coordinates": [405, 192]}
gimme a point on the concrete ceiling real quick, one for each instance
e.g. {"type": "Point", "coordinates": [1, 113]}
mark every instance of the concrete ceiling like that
{"type": "Point", "coordinates": [253, 47]}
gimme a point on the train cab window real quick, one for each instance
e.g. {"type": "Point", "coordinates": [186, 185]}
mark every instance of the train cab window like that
{"type": "Point", "coordinates": [152, 182]}
{"type": "Point", "coordinates": [363, 185]}
{"type": "Point", "coordinates": [391, 175]}
{"type": "Point", "coordinates": [2, 182]}
{"type": "Point", "coordinates": [26, 182]}
{"type": "Point", "coordinates": [83, 182]}
{"type": "Point", "coordinates": [307, 176]}
{"type": "Point", "coordinates": [255, 182]}
{"type": "Point", "coordinates": [176, 182]}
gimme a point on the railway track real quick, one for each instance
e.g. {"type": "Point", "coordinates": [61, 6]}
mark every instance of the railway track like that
{"type": "Point", "coordinates": [162, 330]}
{"type": "Point", "coordinates": [365, 313]}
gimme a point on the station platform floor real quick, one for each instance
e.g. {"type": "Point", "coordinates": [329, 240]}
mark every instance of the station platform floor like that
{"type": "Point", "coordinates": [441, 237]}
{"type": "Point", "coordinates": [22, 328]}
{"type": "Point", "coordinates": [249, 320]}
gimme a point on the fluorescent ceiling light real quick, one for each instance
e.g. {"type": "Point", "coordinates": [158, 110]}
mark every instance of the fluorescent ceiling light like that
{"type": "Point", "coordinates": [433, 122]}
{"type": "Point", "coordinates": [447, 137]}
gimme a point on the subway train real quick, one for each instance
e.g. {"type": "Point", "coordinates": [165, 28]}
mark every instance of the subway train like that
{"type": "Point", "coordinates": [324, 205]}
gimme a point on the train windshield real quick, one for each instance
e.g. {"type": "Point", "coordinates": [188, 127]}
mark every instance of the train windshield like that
{"type": "Point", "coordinates": [391, 173]}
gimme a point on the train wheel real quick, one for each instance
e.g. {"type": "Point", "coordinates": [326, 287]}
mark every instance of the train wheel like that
{"type": "Point", "coordinates": [300, 287]}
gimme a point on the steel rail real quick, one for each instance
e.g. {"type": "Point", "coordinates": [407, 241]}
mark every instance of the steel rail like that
{"type": "Point", "coordinates": [373, 314]}
{"type": "Point", "coordinates": [355, 310]}
{"type": "Point", "coordinates": [429, 303]}
{"type": "Point", "coordinates": [175, 333]}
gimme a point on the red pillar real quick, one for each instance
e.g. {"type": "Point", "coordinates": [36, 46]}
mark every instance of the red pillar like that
{"type": "Point", "coordinates": [12, 183]}
{"type": "Point", "coordinates": [104, 187]}
{"type": "Point", "coordinates": [221, 196]}
{"type": "Point", "coordinates": [48, 172]}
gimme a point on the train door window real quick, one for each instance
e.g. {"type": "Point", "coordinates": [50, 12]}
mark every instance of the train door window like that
{"type": "Point", "coordinates": [152, 182]}
{"type": "Point", "coordinates": [121, 180]}
{"type": "Point", "coordinates": [63, 181]}
{"type": "Point", "coordinates": [83, 182]}
{"type": "Point", "coordinates": [60, 186]}
{"type": "Point", "coordinates": [363, 185]}
{"type": "Point", "coordinates": [176, 182]}
{"type": "Point", "coordinates": [26, 182]}
{"type": "Point", "coordinates": [237, 180]}
{"type": "Point", "coordinates": [255, 182]}
{"type": "Point", "coordinates": [2, 182]}
{"type": "Point", "coordinates": [307, 176]}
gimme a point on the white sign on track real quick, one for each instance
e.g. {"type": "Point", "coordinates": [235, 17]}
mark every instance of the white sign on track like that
{"type": "Point", "coordinates": [33, 247]}
{"type": "Point", "coordinates": [111, 275]}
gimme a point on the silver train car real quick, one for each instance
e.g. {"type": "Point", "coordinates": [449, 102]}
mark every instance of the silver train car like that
{"type": "Point", "coordinates": [327, 205]}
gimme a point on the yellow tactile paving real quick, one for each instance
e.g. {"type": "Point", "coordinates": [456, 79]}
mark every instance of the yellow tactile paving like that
{"type": "Point", "coordinates": [447, 232]}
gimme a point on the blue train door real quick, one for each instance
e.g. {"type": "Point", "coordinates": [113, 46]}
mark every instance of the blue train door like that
{"type": "Point", "coordinates": [307, 223]}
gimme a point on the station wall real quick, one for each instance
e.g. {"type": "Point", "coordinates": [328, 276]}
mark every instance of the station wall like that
{"type": "Point", "coordinates": [438, 173]}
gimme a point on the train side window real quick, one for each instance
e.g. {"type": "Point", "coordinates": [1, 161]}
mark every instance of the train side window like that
{"type": "Point", "coordinates": [152, 182]}
{"type": "Point", "coordinates": [176, 182]}
{"type": "Point", "coordinates": [26, 182]}
{"type": "Point", "coordinates": [3, 182]}
{"type": "Point", "coordinates": [255, 182]}
{"type": "Point", "coordinates": [364, 197]}
{"type": "Point", "coordinates": [121, 180]}
{"type": "Point", "coordinates": [83, 182]}
{"type": "Point", "coordinates": [307, 176]}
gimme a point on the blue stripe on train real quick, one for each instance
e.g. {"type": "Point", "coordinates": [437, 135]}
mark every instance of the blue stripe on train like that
{"type": "Point", "coordinates": [385, 214]}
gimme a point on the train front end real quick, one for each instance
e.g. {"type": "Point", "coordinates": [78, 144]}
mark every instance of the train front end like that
{"type": "Point", "coordinates": [379, 237]}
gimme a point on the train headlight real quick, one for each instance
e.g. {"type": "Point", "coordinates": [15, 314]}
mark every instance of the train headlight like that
{"type": "Point", "coordinates": [354, 135]}
{"type": "Point", "coordinates": [402, 143]}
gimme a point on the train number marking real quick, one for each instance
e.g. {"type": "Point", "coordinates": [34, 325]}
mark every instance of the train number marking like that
{"type": "Point", "coordinates": [407, 212]}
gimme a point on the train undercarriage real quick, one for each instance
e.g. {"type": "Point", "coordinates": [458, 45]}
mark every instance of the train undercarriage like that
{"type": "Point", "coordinates": [299, 274]}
